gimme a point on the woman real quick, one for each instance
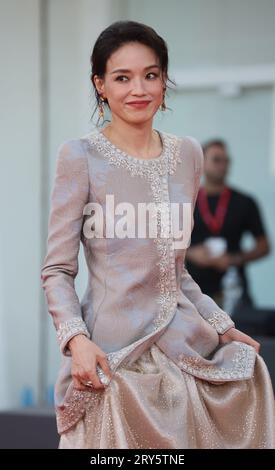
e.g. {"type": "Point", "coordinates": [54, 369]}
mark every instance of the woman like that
{"type": "Point", "coordinates": [148, 360]}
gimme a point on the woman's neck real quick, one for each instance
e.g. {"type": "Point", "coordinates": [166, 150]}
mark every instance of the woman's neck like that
{"type": "Point", "coordinates": [140, 140]}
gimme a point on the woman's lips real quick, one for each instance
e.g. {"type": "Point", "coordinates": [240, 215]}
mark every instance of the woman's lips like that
{"type": "Point", "coordinates": [138, 104]}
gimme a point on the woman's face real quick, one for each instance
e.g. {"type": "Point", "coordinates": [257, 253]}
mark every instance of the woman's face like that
{"type": "Point", "coordinates": [132, 74]}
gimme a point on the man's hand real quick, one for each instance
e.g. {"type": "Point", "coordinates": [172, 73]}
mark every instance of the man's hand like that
{"type": "Point", "coordinates": [223, 262]}
{"type": "Point", "coordinates": [199, 255]}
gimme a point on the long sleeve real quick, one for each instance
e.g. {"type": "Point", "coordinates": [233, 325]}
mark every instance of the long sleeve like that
{"type": "Point", "coordinates": [69, 196]}
{"type": "Point", "coordinates": [205, 305]}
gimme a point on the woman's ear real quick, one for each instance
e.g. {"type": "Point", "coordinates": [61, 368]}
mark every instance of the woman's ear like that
{"type": "Point", "coordinates": [99, 84]}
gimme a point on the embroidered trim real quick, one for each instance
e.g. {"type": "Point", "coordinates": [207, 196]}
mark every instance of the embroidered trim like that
{"type": "Point", "coordinates": [68, 414]}
{"type": "Point", "coordinates": [243, 363]}
{"type": "Point", "coordinates": [146, 168]}
{"type": "Point", "coordinates": [221, 321]}
{"type": "Point", "coordinates": [68, 329]}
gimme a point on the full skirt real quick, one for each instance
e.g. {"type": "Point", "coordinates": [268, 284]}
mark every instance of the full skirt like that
{"type": "Point", "coordinates": [153, 404]}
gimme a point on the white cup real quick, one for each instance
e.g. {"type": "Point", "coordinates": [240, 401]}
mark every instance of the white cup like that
{"type": "Point", "coordinates": [216, 245]}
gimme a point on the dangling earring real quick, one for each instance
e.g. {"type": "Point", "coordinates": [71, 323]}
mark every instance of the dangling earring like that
{"type": "Point", "coordinates": [101, 107]}
{"type": "Point", "coordinates": [163, 105]}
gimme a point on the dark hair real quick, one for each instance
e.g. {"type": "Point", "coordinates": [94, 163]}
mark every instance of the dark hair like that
{"type": "Point", "coordinates": [213, 142]}
{"type": "Point", "coordinates": [118, 34]}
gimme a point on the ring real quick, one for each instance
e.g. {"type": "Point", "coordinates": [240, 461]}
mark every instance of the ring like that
{"type": "Point", "coordinates": [89, 384]}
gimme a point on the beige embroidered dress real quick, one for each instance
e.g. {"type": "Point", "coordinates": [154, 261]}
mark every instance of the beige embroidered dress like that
{"type": "Point", "coordinates": [174, 385]}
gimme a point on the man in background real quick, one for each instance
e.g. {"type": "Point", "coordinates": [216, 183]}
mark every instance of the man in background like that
{"type": "Point", "coordinates": [222, 215]}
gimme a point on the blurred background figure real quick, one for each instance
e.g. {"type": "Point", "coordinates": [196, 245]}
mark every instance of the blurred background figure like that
{"type": "Point", "coordinates": [223, 214]}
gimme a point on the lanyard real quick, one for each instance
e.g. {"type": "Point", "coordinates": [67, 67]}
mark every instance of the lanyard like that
{"type": "Point", "coordinates": [214, 221]}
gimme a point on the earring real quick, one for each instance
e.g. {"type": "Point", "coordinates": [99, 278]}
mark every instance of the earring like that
{"type": "Point", "coordinates": [101, 107]}
{"type": "Point", "coordinates": [163, 105]}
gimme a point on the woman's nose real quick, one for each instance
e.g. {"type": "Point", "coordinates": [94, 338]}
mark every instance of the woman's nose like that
{"type": "Point", "coordinates": [138, 87]}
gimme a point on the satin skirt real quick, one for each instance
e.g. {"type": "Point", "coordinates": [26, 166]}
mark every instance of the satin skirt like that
{"type": "Point", "coordinates": [153, 404]}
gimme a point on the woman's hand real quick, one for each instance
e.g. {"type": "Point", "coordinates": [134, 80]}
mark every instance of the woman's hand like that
{"type": "Point", "coordinates": [85, 356]}
{"type": "Point", "coordinates": [235, 335]}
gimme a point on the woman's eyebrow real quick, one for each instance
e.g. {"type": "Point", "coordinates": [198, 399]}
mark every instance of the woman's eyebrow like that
{"type": "Point", "coordinates": [127, 70]}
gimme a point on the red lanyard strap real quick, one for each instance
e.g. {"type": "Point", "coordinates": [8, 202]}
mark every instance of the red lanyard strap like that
{"type": "Point", "coordinates": [214, 221]}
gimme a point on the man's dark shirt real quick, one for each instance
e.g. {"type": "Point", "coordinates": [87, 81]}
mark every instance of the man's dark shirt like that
{"type": "Point", "coordinates": [242, 216]}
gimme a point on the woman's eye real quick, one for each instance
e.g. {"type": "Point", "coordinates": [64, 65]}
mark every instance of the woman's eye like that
{"type": "Point", "coordinates": [120, 77]}
{"type": "Point", "coordinates": [152, 73]}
